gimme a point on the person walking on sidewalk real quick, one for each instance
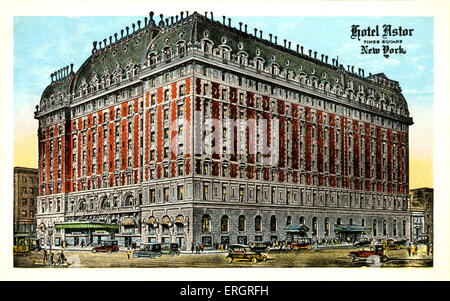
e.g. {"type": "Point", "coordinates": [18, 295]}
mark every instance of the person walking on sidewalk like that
{"type": "Point", "coordinates": [128, 253]}
{"type": "Point", "coordinates": [44, 261]}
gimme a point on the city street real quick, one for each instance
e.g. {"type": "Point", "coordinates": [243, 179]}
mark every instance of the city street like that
{"type": "Point", "coordinates": [337, 257]}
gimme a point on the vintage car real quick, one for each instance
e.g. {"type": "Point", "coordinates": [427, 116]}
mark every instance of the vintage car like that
{"type": "Point", "coordinates": [244, 253]}
{"type": "Point", "coordinates": [368, 252]}
{"type": "Point", "coordinates": [362, 241]}
{"type": "Point", "coordinates": [150, 250]}
{"type": "Point", "coordinates": [390, 244]}
{"type": "Point", "coordinates": [171, 248]}
{"type": "Point", "coordinates": [302, 243]}
{"type": "Point", "coordinates": [106, 246]}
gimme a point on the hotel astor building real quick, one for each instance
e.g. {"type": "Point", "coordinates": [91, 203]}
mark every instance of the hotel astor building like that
{"type": "Point", "coordinates": [187, 129]}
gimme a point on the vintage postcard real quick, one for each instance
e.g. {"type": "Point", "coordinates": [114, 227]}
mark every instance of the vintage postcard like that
{"type": "Point", "coordinates": [202, 137]}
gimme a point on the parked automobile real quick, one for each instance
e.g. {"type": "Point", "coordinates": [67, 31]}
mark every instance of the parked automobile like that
{"type": "Point", "coordinates": [150, 250]}
{"type": "Point", "coordinates": [366, 252]}
{"type": "Point", "coordinates": [106, 246]}
{"type": "Point", "coordinates": [244, 253]}
{"type": "Point", "coordinates": [390, 244]}
{"type": "Point", "coordinates": [302, 243]}
{"type": "Point", "coordinates": [172, 249]}
{"type": "Point", "coordinates": [362, 241]}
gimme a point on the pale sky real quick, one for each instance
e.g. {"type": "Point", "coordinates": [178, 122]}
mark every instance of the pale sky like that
{"type": "Point", "coordinates": [43, 45]}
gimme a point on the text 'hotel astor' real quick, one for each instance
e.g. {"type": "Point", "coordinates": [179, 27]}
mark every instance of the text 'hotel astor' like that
{"type": "Point", "coordinates": [190, 130]}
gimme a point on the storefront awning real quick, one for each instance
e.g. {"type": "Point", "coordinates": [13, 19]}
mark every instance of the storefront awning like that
{"type": "Point", "coordinates": [128, 222]}
{"type": "Point", "coordinates": [350, 229]}
{"type": "Point", "coordinates": [179, 219]}
{"type": "Point", "coordinates": [151, 220]}
{"type": "Point", "coordinates": [86, 225]}
{"type": "Point", "coordinates": [165, 220]}
{"type": "Point", "coordinates": [296, 228]}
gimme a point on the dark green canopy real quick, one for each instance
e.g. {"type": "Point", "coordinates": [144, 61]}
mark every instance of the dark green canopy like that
{"type": "Point", "coordinates": [296, 228]}
{"type": "Point", "coordinates": [350, 229]}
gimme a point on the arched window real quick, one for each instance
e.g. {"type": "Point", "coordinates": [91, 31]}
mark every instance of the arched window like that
{"type": "Point", "coordinates": [374, 227]}
{"type": "Point", "coordinates": [129, 201]}
{"type": "Point", "coordinates": [302, 220]}
{"type": "Point", "coordinates": [327, 226]}
{"type": "Point", "coordinates": [314, 226]}
{"type": "Point", "coordinates": [206, 223]}
{"type": "Point", "coordinates": [82, 205]}
{"type": "Point", "coordinates": [338, 221]}
{"type": "Point", "coordinates": [288, 220]}
{"type": "Point", "coordinates": [224, 224]}
{"type": "Point", "coordinates": [258, 223]}
{"type": "Point", "coordinates": [241, 226]}
{"type": "Point", "coordinates": [363, 222]}
{"type": "Point", "coordinates": [350, 221]}
{"type": "Point", "coordinates": [273, 223]}
{"type": "Point", "coordinates": [384, 228]}
{"type": "Point", "coordinates": [394, 227]}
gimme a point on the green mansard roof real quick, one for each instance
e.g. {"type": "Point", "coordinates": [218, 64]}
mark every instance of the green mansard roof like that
{"type": "Point", "coordinates": [131, 48]}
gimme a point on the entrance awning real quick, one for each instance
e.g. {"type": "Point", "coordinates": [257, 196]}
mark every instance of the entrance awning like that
{"type": "Point", "coordinates": [350, 229]}
{"type": "Point", "coordinates": [296, 228]}
{"type": "Point", "coordinates": [151, 220]}
{"type": "Point", "coordinates": [86, 225]}
{"type": "Point", "coordinates": [128, 222]}
{"type": "Point", "coordinates": [179, 220]}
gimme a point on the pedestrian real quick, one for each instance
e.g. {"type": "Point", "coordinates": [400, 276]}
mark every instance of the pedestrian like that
{"type": "Point", "coordinates": [50, 259]}
{"type": "Point", "coordinates": [409, 250]}
{"type": "Point", "coordinates": [193, 248]}
{"type": "Point", "coordinates": [202, 247]}
{"type": "Point", "coordinates": [197, 249]}
{"type": "Point", "coordinates": [45, 257]}
{"type": "Point", "coordinates": [82, 243]}
{"type": "Point", "coordinates": [128, 253]}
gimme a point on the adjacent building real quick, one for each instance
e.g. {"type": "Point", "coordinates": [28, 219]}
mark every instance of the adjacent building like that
{"type": "Point", "coordinates": [422, 214]}
{"type": "Point", "coordinates": [190, 130]}
{"type": "Point", "coordinates": [25, 197]}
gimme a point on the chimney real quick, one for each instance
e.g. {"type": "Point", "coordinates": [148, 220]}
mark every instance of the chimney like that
{"type": "Point", "coordinates": [151, 21]}
{"type": "Point", "coordinates": [260, 34]}
{"type": "Point", "coordinates": [284, 43]}
{"type": "Point", "coordinates": [310, 52]}
{"type": "Point", "coordinates": [270, 37]}
{"type": "Point", "coordinates": [315, 54]}
{"type": "Point", "coordinates": [275, 40]}
{"type": "Point", "coordinates": [245, 26]}
{"type": "Point", "coordinates": [115, 36]}
{"type": "Point", "coordinates": [240, 26]}
{"type": "Point", "coordinates": [301, 49]}
{"type": "Point", "coordinates": [223, 20]}
{"type": "Point", "coordinates": [321, 57]}
{"type": "Point", "coordinates": [298, 47]}
{"type": "Point", "coordinates": [128, 30]}
{"type": "Point", "coordinates": [212, 16]}
{"type": "Point", "coordinates": [134, 26]}
{"type": "Point", "coordinates": [145, 22]}
{"type": "Point", "coordinates": [181, 15]}
{"type": "Point", "coordinates": [229, 22]}
{"type": "Point", "coordinates": [326, 59]}
{"type": "Point", "coordinates": [289, 44]}
{"type": "Point", "coordinates": [71, 68]}
{"type": "Point", "coordinates": [256, 31]}
{"type": "Point", "coordinates": [121, 33]}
